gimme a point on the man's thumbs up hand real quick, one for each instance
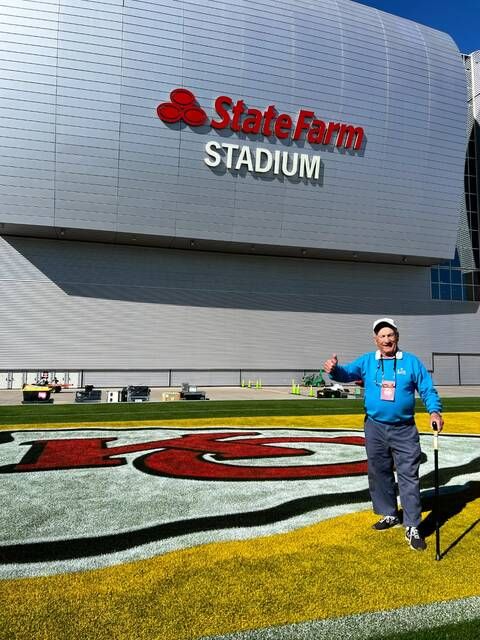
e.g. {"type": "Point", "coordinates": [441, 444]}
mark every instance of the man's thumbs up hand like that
{"type": "Point", "coordinates": [330, 364]}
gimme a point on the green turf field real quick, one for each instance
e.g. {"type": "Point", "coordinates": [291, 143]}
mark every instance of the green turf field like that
{"type": "Point", "coordinates": [464, 631]}
{"type": "Point", "coordinates": [39, 414]}
{"type": "Point", "coordinates": [210, 584]}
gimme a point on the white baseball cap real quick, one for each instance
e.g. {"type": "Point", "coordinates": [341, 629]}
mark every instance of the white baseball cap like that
{"type": "Point", "coordinates": [378, 324]}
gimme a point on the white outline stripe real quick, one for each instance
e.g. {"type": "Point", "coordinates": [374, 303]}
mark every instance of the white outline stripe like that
{"type": "Point", "coordinates": [369, 625]}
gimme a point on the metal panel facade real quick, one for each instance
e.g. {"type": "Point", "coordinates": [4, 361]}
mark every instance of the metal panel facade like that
{"type": "Point", "coordinates": [83, 148]}
{"type": "Point", "coordinates": [28, 77]}
{"type": "Point", "coordinates": [446, 370]}
{"type": "Point", "coordinates": [84, 156]}
{"type": "Point", "coordinates": [126, 377]}
{"type": "Point", "coordinates": [470, 368]}
{"type": "Point", "coordinates": [85, 306]}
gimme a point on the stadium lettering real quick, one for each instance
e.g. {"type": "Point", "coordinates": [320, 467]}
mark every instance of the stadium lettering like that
{"type": "Point", "coordinates": [261, 160]}
{"type": "Point", "coordinates": [203, 456]}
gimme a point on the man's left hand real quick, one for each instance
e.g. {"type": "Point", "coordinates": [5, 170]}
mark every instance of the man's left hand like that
{"type": "Point", "coordinates": [436, 417]}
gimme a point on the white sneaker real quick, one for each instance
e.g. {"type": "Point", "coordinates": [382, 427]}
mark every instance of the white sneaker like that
{"type": "Point", "coordinates": [386, 522]}
{"type": "Point", "coordinates": [414, 539]}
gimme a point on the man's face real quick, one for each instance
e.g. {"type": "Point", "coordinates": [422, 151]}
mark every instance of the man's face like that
{"type": "Point", "coordinates": [387, 340]}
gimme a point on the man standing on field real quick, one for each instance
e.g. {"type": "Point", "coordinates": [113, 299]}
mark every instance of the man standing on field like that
{"type": "Point", "coordinates": [390, 378]}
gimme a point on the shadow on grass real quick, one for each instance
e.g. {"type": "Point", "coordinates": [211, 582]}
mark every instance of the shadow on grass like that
{"type": "Point", "coordinates": [451, 502]}
{"type": "Point", "coordinates": [466, 630]}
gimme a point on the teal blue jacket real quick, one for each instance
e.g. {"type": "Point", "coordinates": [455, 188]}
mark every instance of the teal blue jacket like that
{"type": "Point", "coordinates": [409, 375]}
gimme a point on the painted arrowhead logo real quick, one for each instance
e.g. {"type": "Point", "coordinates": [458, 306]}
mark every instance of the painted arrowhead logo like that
{"type": "Point", "coordinates": [85, 498]}
{"type": "Point", "coordinates": [196, 456]}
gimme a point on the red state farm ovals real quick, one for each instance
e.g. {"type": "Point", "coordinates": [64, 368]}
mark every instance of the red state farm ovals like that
{"type": "Point", "coordinates": [183, 106]}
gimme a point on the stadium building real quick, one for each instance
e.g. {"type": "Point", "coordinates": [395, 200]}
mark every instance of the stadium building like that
{"type": "Point", "coordinates": [212, 192]}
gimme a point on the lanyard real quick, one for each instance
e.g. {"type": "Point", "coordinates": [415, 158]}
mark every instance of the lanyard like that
{"type": "Point", "coordinates": [381, 365]}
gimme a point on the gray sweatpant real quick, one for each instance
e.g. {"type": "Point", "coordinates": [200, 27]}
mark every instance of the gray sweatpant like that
{"type": "Point", "coordinates": [388, 446]}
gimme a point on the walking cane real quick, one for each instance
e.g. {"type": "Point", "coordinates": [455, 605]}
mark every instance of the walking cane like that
{"type": "Point", "coordinates": [436, 501]}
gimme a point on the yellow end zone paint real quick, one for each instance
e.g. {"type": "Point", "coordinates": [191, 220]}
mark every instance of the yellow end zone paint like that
{"type": "Point", "coordinates": [459, 423]}
{"type": "Point", "coordinates": [334, 568]}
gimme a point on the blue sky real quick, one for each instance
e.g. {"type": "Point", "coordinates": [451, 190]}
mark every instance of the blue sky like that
{"type": "Point", "coordinates": [459, 18]}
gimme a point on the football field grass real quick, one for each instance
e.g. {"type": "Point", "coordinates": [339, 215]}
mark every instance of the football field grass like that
{"type": "Point", "coordinates": [148, 411]}
{"type": "Point", "coordinates": [462, 631]}
{"type": "Point", "coordinates": [316, 580]}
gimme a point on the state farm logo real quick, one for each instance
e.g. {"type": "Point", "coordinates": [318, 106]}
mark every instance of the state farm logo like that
{"type": "Point", "coordinates": [183, 106]}
{"type": "Point", "coordinates": [236, 116]}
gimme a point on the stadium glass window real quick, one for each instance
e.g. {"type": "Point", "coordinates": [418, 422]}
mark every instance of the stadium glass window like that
{"type": "Point", "coordinates": [448, 281]}
{"type": "Point", "coordinates": [474, 217]}
{"type": "Point", "coordinates": [457, 292]}
{"type": "Point", "coordinates": [445, 292]}
{"type": "Point", "coordinates": [456, 260]}
{"type": "Point", "coordinates": [456, 277]}
{"type": "Point", "coordinates": [468, 293]}
{"type": "Point", "coordinates": [445, 275]}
